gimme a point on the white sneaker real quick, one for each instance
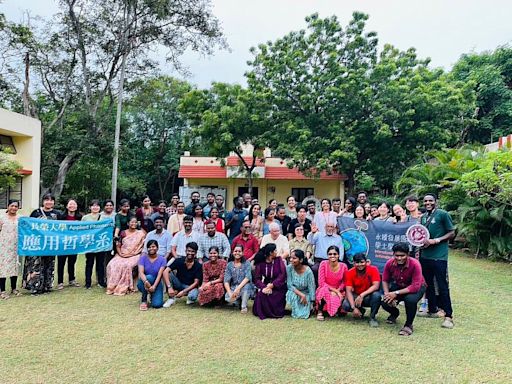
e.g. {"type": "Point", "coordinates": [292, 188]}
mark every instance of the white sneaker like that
{"type": "Point", "coordinates": [190, 302]}
{"type": "Point", "coordinates": [169, 302]}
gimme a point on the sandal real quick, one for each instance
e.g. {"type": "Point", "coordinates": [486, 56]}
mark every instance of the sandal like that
{"type": "Point", "coordinates": [391, 320]}
{"type": "Point", "coordinates": [15, 292]}
{"type": "Point", "coordinates": [243, 310]}
{"type": "Point", "coordinates": [60, 287]}
{"type": "Point", "coordinates": [74, 283]}
{"type": "Point", "coordinates": [405, 331]}
{"type": "Point", "coordinates": [4, 295]}
{"type": "Point", "coordinates": [320, 316]}
{"type": "Point", "coordinates": [143, 307]}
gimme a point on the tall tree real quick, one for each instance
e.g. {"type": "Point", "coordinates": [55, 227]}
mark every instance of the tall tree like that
{"type": "Point", "coordinates": [489, 75]}
{"type": "Point", "coordinates": [74, 63]}
{"type": "Point", "coordinates": [223, 119]}
{"type": "Point", "coordinates": [334, 103]}
{"type": "Point", "coordinates": [155, 135]}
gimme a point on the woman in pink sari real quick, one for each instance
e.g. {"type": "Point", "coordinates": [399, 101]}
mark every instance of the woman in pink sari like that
{"type": "Point", "coordinates": [331, 284]}
{"type": "Point", "coordinates": [120, 269]}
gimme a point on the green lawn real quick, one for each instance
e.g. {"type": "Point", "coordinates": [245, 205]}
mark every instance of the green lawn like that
{"type": "Point", "coordinates": [79, 336]}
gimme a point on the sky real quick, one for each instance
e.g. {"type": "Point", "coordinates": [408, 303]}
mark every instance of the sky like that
{"type": "Point", "coordinates": [440, 29]}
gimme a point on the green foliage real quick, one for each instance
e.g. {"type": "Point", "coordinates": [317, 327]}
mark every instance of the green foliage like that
{"type": "Point", "coordinates": [8, 169]}
{"type": "Point", "coordinates": [489, 75]}
{"type": "Point", "coordinates": [335, 104]}
{"type": "Point", "coordinates": [223, 119]}
{"type": "Point", "coordinates": [476, 187]}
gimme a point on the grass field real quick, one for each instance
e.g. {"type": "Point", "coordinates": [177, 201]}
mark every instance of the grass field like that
{"type": "Point", "coordinates": [79, 336]}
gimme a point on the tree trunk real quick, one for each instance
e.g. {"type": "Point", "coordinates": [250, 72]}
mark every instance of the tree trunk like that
{"type": "Point", "coordinates": [58, 185]}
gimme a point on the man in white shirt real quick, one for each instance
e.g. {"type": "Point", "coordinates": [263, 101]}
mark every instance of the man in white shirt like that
{"type": "Point", "coordinates": [275, 237]}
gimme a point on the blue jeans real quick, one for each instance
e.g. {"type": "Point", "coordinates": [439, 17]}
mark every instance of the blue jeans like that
{"type": "Point", "coordinates": [157, 297]}
{"type": "Point", "coordinates": [179, 286]}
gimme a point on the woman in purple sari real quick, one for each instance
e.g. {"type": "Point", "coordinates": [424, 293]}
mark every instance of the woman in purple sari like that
{"type": "Point", "coordinates": [270, 282]}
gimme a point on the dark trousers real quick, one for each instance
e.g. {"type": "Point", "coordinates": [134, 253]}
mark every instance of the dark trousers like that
{"type": "Point", "coordinates": [3, 280]}
{"type": "Point", "coordinates": [437, 269]}
{"type": "Point", "coordinates": [61, 262]}
{"type": "Point", "coordinates": [90, 258]}
{"type": "Point", "coordinates": [372, 301]}
{"type": "Point", "coordinates": [411, 304]}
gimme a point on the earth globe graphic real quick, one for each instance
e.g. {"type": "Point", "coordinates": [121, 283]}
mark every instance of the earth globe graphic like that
{"type": "Point", "coordinates": [354, 242]}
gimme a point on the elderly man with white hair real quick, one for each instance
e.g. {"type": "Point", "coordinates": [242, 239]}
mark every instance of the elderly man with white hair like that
{"type": "Point", "coordinates": [275, 237]}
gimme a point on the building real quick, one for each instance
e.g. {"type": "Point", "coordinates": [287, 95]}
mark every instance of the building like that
{"type": "Point", "coordinates": [502, 143]}
{"type": "Point", "coordinates": [22, 135]}
{"type": "Point", "coordinates": [273, 179]}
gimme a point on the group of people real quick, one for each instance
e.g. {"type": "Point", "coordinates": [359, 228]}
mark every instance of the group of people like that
{"type": "Point", "coordinates": [282, 254]}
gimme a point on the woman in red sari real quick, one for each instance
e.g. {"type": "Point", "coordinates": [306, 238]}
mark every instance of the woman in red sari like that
{"type": "Point", "coordinates": [120, 269]}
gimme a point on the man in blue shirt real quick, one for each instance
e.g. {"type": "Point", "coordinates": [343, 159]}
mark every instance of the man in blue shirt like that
{"type": "Point", "coordinates": [321, 241]}
{"type": "Point", "coordinates": [162, 237]}
{"type": "Point", "coordinates": [235, 218]}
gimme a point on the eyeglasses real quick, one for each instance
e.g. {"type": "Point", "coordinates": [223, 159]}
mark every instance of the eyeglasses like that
{"type": "Point", "coordinates": [332, 253]}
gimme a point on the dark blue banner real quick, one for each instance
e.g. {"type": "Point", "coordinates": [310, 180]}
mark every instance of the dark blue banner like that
{"type": "Point", "coordinates": [374, 238]}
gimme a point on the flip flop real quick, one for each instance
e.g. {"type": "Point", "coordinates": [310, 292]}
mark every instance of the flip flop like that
{"type": "Point", "coordinates": [405, 331]}
{"type": "Point", "coordinates": [143, 307]}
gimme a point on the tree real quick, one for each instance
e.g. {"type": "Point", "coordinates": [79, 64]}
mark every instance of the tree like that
{"type": "Point", "coordinates": [335, 104]}
{"type": "Point", "coordinates": [223, 119]}
{"type": "Point", "coordinates": [72, 65]}
{"type": "Point", "coordinates": [489, 75]}
{"type": "Point", "coordinates": [8, 169]}
{"type": "Point", "coordinates": [156, 132]}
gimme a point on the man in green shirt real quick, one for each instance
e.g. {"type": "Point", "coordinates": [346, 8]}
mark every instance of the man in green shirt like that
{"type": "Point", "coordinates": [434, 258]}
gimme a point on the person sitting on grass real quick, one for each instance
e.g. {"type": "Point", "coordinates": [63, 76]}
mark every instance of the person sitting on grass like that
{"type": "Point", "coordinates": [212, 288]}
{"type": "Point", "coordinates": [331, 284]}
{"type": "Point", "coordinates": [151, 269]}
{"type": "Point", "coordinates": [402, 280]}
{"type": "Point", "coordinates": [185, 274]}
{"type": "Point", "coordinates": [301, 285]}
{"type": "Point", "coordinates": [362, 286]}
{"type": "Point", "coordinates": [270, 281]}
{"type": "Point", "coordinates": [238, 279]}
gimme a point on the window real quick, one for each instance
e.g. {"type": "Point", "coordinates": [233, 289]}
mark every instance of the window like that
{"type": "Point", "coordinates": [11, 193]}
{"type": "Point", "coordinates": [242, 190]}
{"type": "Point", "coordinates": [6, 142]}
{"type": "Point", "coordinates": [301, 193]}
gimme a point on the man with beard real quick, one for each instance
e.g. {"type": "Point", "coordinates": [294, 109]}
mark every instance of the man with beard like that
{"type": "Point", "coordinates": [162, 237]}
{"type": "Point", "coordinates": [213, 238]}
{"type": "Point", "coordinates": [182, 238]}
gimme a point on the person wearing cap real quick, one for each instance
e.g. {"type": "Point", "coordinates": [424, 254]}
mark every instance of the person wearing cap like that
{"type": "Point", "coordinates": [402, 280]}
{"type": "Point", "coordinates": [362, 285]}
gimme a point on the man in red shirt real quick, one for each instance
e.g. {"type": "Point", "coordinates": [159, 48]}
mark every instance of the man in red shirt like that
{"type": "Point", "coordinates": [402, 280]}
{"type": "Point", "coordinates": [247, 240]}
{"type": "Point", "coordinates": [362, 286]}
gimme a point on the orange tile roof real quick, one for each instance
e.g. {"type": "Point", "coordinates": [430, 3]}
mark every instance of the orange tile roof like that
{"type": "Point", "coordinates": [202, 171]}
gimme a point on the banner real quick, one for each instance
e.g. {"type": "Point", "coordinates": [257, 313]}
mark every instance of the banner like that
{"type": "Point", "coordinates": [39, 237]}
{"type": "Point", "coordinates": [375, 238]}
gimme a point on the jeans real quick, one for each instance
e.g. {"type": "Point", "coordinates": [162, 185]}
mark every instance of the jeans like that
{"type": "Point", "coordinates": [157, 297]}
{"type": "Point", "coordinates": [100, 268]}
{"type": "Point", "coordinates": [411, 304]}
{"type": "Point", "coordinates": [372, 301]}
{"type": "Point", "coordinates": [61, 262]}
{"type": "Point", "coordinates": [244, 297]}
{"type": "Point", "coordinates": [179, 286]}
{"type": "Point", "coordinates": [437, 269]}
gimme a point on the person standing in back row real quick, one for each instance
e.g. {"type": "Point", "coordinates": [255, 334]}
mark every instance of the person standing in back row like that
{"type": "Point", "coordinates": [434, 259]}
{"type": "Point", "coordinates": [235, 218]}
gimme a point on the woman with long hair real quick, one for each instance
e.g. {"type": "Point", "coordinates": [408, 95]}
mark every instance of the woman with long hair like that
{"type": "Point", "coordinates": [120, 269]}
{"type": "Point", "coordinates": [301, 285]}
{"type": "Point", "coordinates": [9, 259]}
{"type": "Point", "coordinates": [212, 288]}
{"type": "Point", "coordinates": [270, 282]}
{"type": "Point", "coordinates": [331, 284]}
{"type": "Point", "coordinates": [70, 214]}
{"type": "Point", "coordinates": [238, 279]}
{"type": "Point", "coordinates": [256, 221]}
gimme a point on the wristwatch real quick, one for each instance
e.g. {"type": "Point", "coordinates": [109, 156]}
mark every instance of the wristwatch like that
{"type": "Point", "coordinates": [396, 293]}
